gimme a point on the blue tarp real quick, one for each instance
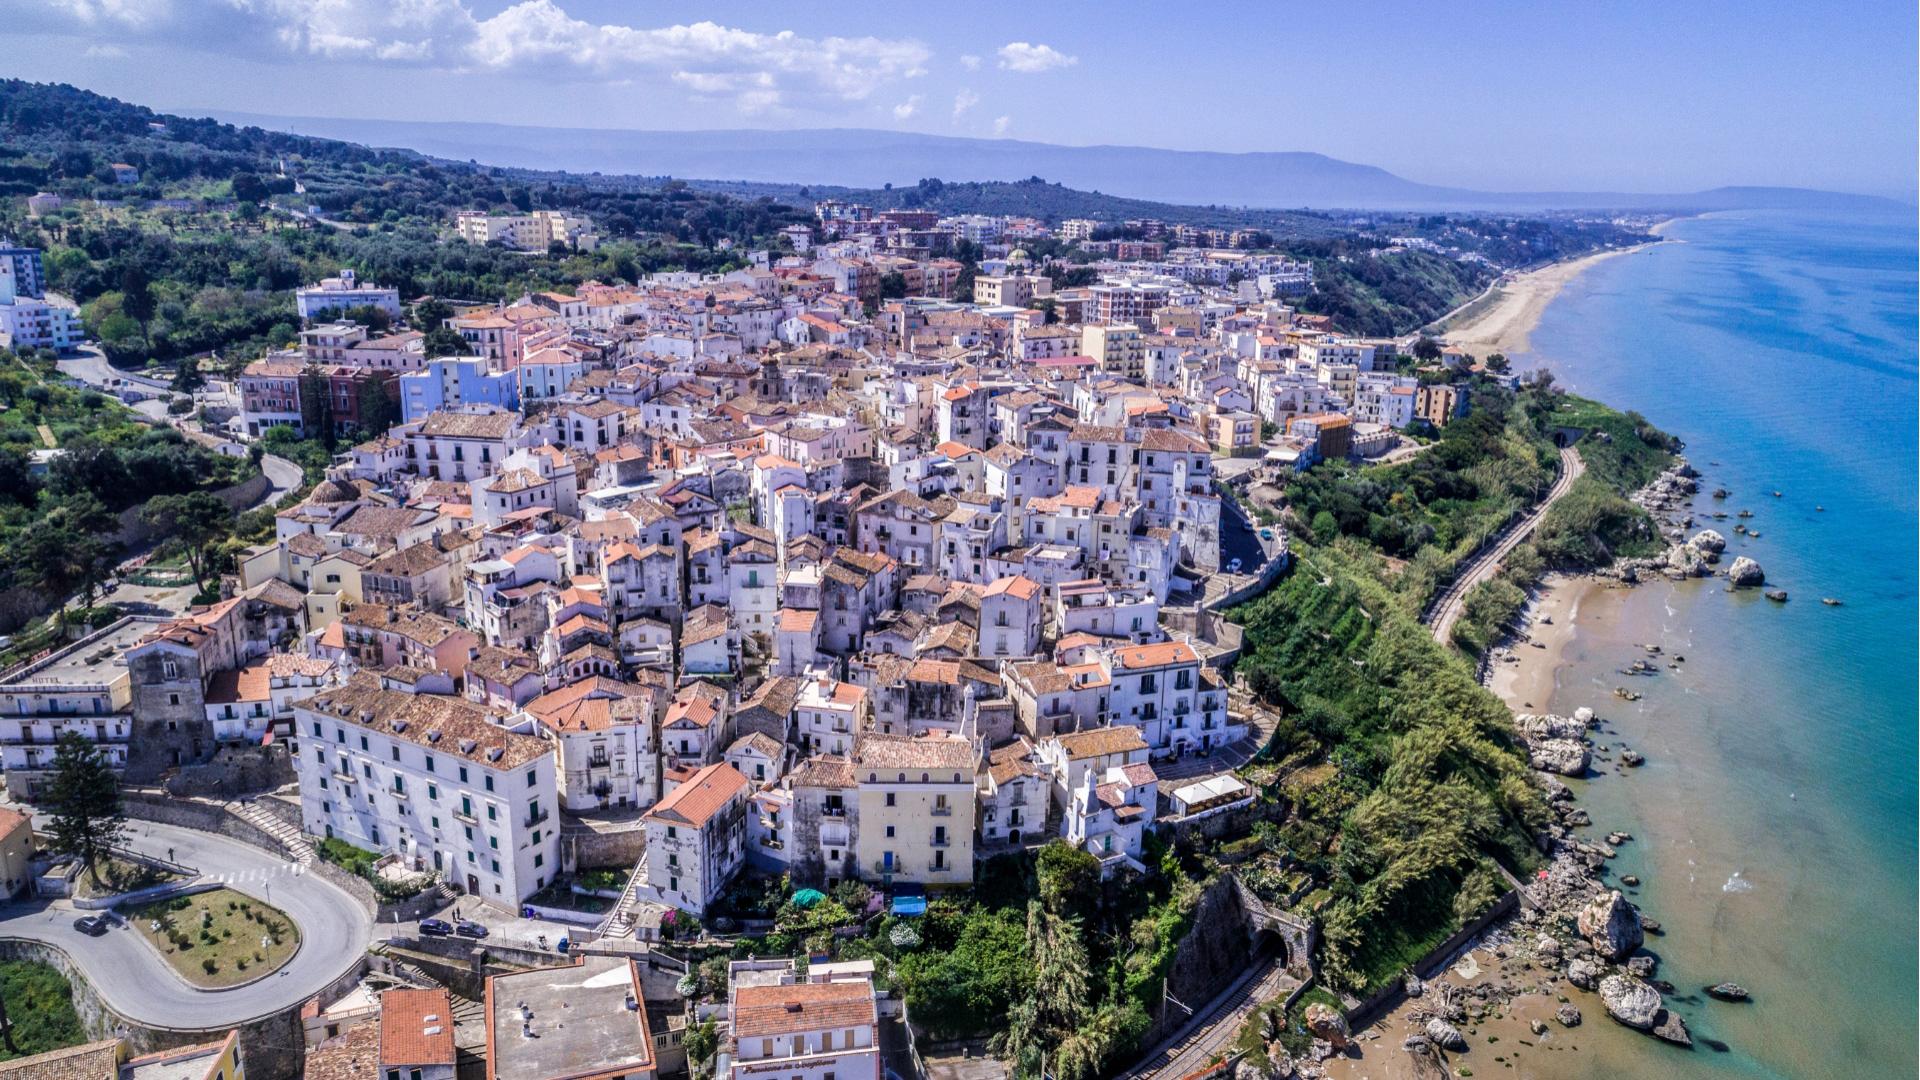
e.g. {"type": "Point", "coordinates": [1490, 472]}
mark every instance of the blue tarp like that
{"type": "Point", "coordinates": [909, 905]}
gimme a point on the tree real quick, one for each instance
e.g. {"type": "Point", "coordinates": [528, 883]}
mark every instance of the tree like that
{"type": "Point", "coordinates": [196, 519]}
{"type": "Point", "coordinates": [445, 341]}
{"type": "Point", "coordinates": [83, 799]}
{"type": "Point", "coordinates": [1069, 880]}
{"type": "Point", "coordinates": [1499, 363]}
{"type": "Point", "coordinates": [1426, 349]}
{"type": "Point", "coordinates": [248, 187]}
{"type": "Point", "coordinates": [136, 297]}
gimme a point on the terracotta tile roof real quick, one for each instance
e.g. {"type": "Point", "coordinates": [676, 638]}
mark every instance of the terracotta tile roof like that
{"type": "Point", "coordinates": [824, 771]}
{"type": "Point", "coordinates": [930, 751]}
{"type": "Point", "coordinates": [703, 795]}
{"type": "Point", "coordinates": [1161, 654]}
{"type": "Point", "coordinates": [446, 725]}
{"type": "Point", "coordinates": [416, 1028]}
{"type": "Point", "coordinates": [798, 620]}
{"type": "Point", "coordinates": [763, 1011]}
{"type": "Point", "coordinates": [1099, 742]}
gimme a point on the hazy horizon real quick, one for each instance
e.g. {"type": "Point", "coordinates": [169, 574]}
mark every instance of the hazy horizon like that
{"type": "Point", "coordinates": [1630, 97]}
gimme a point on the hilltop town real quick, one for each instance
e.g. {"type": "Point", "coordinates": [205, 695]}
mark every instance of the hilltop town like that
{"type": "Point", "coordinates": [820, 643]}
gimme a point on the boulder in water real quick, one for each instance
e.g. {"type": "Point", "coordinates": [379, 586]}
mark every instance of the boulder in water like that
{"type": "Point", "coordinates": [1670, 1027]}
{"type": "Point", "coordinates": [1631, 1001]}
{"type": "Point", "coordinates": [1727, 991]}
{"type": "Point", "coordinates": [1708, 540]}
{"type": "Point", "coordinates": [1745, 572]}
{"type": "Point", "coordinates": [1567, 1015]}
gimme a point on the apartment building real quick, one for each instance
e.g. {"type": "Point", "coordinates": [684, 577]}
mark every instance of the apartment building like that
{"type": "Point", "coordinates": [916, 806]}
{"type": "Point", "coordinates": [696, 838]}
{"type": "Point", "coordinates": [429, 779]}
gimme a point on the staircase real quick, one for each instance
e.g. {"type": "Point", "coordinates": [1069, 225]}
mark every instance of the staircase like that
{"type": "Point", "coordinates": [618, 923]}
{"type": "Point", "coordinates": [296, 845]}
{"type": "Point", "coordinates": [402, 969]}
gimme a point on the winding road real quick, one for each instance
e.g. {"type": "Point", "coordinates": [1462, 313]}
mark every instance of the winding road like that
{"type": "Point", "coordinates": [139, 984]}
{"type": "Point", "coordinates": [1446, 610]}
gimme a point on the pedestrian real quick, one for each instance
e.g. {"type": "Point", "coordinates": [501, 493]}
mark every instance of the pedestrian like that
{"type": "Point", "coordinates": [170, 855]}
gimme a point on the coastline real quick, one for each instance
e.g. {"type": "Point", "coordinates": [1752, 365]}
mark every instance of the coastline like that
{"type": "Point", "coordinates": [1503, 319]}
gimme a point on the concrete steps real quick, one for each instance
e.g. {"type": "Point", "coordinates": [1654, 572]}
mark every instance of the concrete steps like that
{"type": "Point", "coordinates": [618, 924]}
{"type": "Point", "coordinates": [298, 848]}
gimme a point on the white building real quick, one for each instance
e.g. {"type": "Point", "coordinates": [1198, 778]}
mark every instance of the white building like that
{"type": "Point", "coordinates": [823, 1025]}
{"type": "Point", "coordinates": [697, 838]}
{"type": "Point", "coordinates": [428, 778]}
{"type": "Point", "coordinates": [339, 293]}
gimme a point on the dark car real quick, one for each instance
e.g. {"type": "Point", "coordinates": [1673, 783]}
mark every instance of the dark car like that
{"type": "Point", "coordinates": [92, 925]}
{"type": "Point", "coordinates": [435, 927]}
{"type": "Point", "coordinates": [469, 928]}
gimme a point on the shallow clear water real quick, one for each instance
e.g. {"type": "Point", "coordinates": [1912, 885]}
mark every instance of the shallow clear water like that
{"type": "Point", "coordinates": [1775, 820]}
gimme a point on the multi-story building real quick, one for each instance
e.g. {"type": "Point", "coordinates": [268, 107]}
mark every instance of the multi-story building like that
{"type": "Point", "coordinates": [428, 778]}
{"type": "Point", "coordinates": [337, 294]}
{"type": "Point", "coordinates": [818, 1026]}
{"type": "Point", "coordinates": [1119, 349]}
{"type": "Point", "coordinates": [696, 838]}
{"type": "Point", "coordinates": [22, 265]}
{"type": "Point", "coordinates": [917, 806]}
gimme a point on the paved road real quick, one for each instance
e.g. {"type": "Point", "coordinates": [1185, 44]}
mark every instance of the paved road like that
{"type": "Point", "coordinates": [138, 983]}
{"type": "Point", "coordinates": [1446, 610]}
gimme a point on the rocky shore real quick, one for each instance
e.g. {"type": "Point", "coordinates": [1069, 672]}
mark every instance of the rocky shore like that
{"type": "Point", "coordinates": [1669, 501]}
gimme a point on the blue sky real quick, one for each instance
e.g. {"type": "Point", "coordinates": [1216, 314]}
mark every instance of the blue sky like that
{"type": "Point", "coordinates": [1618, 96]}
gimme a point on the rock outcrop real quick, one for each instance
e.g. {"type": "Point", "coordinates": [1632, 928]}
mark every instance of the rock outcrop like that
{"type": "Point", "coordinates": [1745, 572]}
{"type": "Point", "coordinates": [1328, 1025]}
{"type": "Point", "coordinates": [1564, 756]}
{"type": "Point", "coordinates": [1631, 1001]}
{"type": "Point", "coordinates": [1708, 540]}
{"type": "Point", "coordinates": [1584, 974]}
{"type": "Point", "coordinates": [1611, 925]}
{"type": "Point", "coordinates": [1445, 1035]}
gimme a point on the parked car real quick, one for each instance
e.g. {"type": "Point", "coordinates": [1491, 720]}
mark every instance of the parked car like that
{"type": "Point", "coordinates": [469, 928]}
{"type": "Point", "coordinates": [92, 925]}
{"type": "Point", "coordinates": [435, 928]}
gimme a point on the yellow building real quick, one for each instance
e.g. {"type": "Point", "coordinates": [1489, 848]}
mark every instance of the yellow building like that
{"type": "Point", "coordinates": [916, 808]}
{"type": "Point", "coordinates": [1120, 349]}
{"type": "Point", "coordinates": [16, 850]}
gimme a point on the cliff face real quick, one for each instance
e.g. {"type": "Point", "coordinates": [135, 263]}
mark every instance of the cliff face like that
{"type": "Point", "coordinates": [1214, 951]}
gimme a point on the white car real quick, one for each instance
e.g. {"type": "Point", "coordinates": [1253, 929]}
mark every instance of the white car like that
{"type": "Point", "coordinates": [1233, 566]}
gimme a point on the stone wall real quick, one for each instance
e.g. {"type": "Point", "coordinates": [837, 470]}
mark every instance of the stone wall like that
{"type": "Point", "coordinates": [209, 817]}
{"type": "Point", "coordinates": [134, 532]}
{"type": "Point", "coordinates": [588, 849]}
{"type": "Point", "coordinates": [234, 770]}
{"type": "Point", "coordinates": [274, 1044]}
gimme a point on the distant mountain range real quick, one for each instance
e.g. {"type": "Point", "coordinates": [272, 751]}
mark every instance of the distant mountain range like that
{"type": "Point", "coordinates": [864, 158]}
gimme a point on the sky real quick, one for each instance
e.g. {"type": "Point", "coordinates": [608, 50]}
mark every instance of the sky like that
{"type": "Point", "coordinates": [1625, 96]}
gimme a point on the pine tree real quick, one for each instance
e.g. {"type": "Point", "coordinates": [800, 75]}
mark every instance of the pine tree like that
{"type": "Point", "coordinates": [84, 797]}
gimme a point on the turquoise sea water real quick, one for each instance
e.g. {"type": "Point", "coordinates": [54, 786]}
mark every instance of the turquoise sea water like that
{"type": "Point", "coordinates": [1775, 821]}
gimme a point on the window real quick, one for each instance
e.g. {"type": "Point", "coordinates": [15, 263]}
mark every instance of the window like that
{"type": "Point", "coordinates": [533, 777]}
{"type": "Point", "coordinates": [396, 752]}
{"type": "Point", "coordinates": [539, 859]}
{"type": "Point", "coordinates": [889, 832]}
{"type": "Point", "coordinates": [489, 783]}
{"type": "Point", "coordinates": [363, 742]}
{"type": "Point", "coordinates": [890, 799]}
{"type": "Point", "coordinates": [463, 774]}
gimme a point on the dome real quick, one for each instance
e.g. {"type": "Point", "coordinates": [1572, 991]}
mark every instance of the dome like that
{"type": "Point", "coordinates": [1018, 255]}
{"type": "Point", "coordinates": [333, 491]}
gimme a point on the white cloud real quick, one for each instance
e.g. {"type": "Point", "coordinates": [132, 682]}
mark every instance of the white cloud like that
{"type": "Point", "coordinates": [962, 101]}
{"type": "Point", "coordinates": [906, 109]}
{"type": "Point", "coordinates": [1001, 124]}
{"type": "Point", "coordinates": [105, 52]}
{"type": "Point", "coordinates": [539, 37]}
{"type": "Point", "coordinates": [970, 62]}
{"type": "Point", "coordinates": [1028, 59]}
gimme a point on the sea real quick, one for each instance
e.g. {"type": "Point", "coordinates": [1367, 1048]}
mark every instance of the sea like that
{"type": "Point", "coordinates": [1774, 822]}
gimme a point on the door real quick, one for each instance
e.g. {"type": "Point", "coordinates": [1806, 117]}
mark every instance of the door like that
{"type": "Point", "coordinates": [473, 885]}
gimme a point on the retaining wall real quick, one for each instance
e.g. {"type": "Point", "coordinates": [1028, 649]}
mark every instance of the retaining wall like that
{"type": "Point", "coordinates": [134, 532]}
{"type": "Point", "coordinates": [274, 1044]}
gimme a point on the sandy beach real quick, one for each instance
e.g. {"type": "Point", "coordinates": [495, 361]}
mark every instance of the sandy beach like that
{"type": "Point", "coordinates": [1501, 321]}
{"type": "Point", "coordinates": [1523, 674]}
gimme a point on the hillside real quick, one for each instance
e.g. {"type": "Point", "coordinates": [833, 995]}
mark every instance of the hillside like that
{"type": "Point", "coordinates": [866, 158]}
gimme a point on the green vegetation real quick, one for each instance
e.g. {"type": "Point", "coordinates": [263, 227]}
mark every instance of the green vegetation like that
{"type": "Point", "coordinates": [1272, 1023]}
{"type": "Point", "coordinates": [1426, 777]}
{"type": "Point", "coordinates": [40, 1006]}
{"type": "Point", "coordinates": [359, 862]}
{"type": "Point", "coordinates": [83, 803]}
{"type": "Point", "coordinates": [218, 938]}
{"type": "Point", "coordinates": [1415, 790]}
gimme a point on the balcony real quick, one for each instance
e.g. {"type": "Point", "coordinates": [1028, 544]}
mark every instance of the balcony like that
{"type": "Point", "coordinates": [833, 811]}
{"type": "Point", "coordinates": [346, 777]}
{"type": "Point", "coordinates": [401, 794]}
{"type": "Point", "coordinates": [536, 818]}
{"type": "Point", "coordinates": [941, 811]}
{"type": "Point", "coordinates": [939, 842]}
{"type": "Point", "coordinates": [466, 816]}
